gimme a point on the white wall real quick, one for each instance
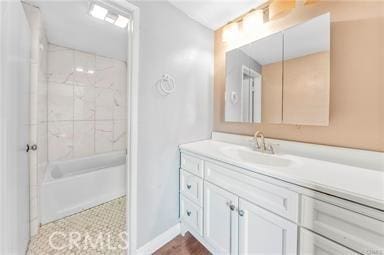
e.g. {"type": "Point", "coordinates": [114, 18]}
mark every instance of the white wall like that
{"type": "Point", "coordinates": [172, 43]}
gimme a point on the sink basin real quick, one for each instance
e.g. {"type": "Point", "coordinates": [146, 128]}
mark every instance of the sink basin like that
{"type": "Point", "coordinates": [257, 158]}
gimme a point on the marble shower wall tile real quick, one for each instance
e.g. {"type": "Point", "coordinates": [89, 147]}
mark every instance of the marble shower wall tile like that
{"type": "Point", "coordinates": [119, 135]}
{"type": "Point", "coordinates": [60, 140]}
{"type": "Point", "coordinates": [104, 103]}
{"type": "Point", "coordinates": [103, 136]}
{"type": "Point", "coordinates": [84, 138]}
{"type": "Point", "coordinates": [84, 74]}
{"type": "Point", "coordinates": [84, 104]}
{"type": "Point", "coordinates": [119, 104]}
{"type": "Point", "coordinates": [87, 93]}
{"type": "Point", "coordinates": [60, 102]}
{"type": "Point", "coordinates": [106, 72]}
{"type": "Point", "coordinates": [60, 64]}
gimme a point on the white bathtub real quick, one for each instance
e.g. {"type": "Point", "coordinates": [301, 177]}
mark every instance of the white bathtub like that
{"type": "Point", "coordinates": [74, 185]}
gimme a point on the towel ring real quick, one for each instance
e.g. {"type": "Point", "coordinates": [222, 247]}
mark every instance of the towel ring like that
{"type": "Point", "coordinates": [166, 85]}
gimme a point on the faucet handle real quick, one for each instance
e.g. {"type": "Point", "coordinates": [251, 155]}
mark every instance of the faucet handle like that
{"type": "Point", "coordinates": [269, 149]}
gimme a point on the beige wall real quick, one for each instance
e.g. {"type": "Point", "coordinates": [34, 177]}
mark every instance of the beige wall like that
{"type": "Point", "coordinates": [306, 90]}
{"type": "Point", "coordinates": [357, 84]}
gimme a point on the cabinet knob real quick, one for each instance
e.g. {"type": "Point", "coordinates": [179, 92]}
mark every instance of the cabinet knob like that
{"type": "Point", "coordinates": [188, 213]}
{"type": "Point", "coordinates": [231, 206]}
{"type": "Point", "coordinates": [189, 186]}
{"type": "Point", "coordinates": [241, 212]}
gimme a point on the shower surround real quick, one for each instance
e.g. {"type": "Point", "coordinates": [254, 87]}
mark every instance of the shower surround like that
{"type": "Point", "coordinates": [86, 104]}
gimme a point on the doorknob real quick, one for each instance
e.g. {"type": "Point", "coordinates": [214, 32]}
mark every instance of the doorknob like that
{"type": "Point", "coordinates": [32, 147]}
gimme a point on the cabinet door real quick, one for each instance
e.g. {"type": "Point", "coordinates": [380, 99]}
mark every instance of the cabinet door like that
{"type": "Point", "coordinates": [262, 232]}
{"type": "Point", "coordinates": [312, 244]}
{"type": "Point", "coordinates": [220, 219]}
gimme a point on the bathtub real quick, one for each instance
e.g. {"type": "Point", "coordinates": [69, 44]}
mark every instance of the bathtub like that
{"type": "Point", "coordinates": [72, 186]}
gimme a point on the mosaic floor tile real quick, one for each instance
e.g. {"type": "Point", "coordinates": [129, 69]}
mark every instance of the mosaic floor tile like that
{"type": "Point", "coordinates": [99, 230]}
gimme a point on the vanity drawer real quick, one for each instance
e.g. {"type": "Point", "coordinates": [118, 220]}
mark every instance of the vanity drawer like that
{"type": "Point", "coordinates": [191, 187]}
{"type": "Point", "coordinates": [313, 244]}
{"type": "Point", "coordinates": [356, 231]}
{"type": "Point", "coordinates": [274, 198]}
{"type": "Point", "coordinates": [191, 214]}
{"type": "Point", "coordinates": [192, 164]}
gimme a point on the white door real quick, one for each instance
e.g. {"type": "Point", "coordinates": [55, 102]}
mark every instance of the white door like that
{"type": "Point", "coordinates": [313, 244]}
{"type": "Point", "coordinates": [262, 232]}
{"type": "Point", "coordinates": [220, 219]}
{"type": "Point", "coordinates": [14, 128]}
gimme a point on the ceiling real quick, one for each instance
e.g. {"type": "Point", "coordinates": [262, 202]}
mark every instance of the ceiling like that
{"type": "Point", "coordinates": [215, 13]}
{"type": "Point", "coordinates": [68, 24]}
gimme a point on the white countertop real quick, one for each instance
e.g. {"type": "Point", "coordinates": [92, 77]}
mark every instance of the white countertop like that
{"type": "Point", "coordinates": [364, 186]}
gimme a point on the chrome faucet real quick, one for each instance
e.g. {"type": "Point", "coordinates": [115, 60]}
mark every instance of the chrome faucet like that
{"type": "Point", "coordinates": [262, 145]}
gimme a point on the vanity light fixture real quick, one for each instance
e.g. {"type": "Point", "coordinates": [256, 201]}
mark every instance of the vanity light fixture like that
{"type": "Point", "coordinates": [252, 20]}
{"type": "Point", "coordinates": [230, 32]}
{"type": "Point", "coordinates": [109, 16]}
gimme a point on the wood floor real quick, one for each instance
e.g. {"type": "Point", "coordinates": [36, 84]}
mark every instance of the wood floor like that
{"type": "Point", "coordinates": [183, 245]}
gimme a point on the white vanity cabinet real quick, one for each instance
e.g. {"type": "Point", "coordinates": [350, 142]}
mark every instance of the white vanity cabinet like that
{"type": "Point", "coordinates": [262, 232]}
{"type": "Point", "coordinates": [232, 210]}
{"type": "Point", "coordinates": [220, 219]}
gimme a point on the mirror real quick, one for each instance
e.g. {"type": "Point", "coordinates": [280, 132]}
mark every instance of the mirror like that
{"type": "Point", "coordinates": [307, 72]}
{"type": "Point", "coordinates": [253, 77]}
{"type": "Point", "coordinates": [282, 78]}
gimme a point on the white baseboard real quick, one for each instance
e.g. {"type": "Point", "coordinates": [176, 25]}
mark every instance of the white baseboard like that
{"type": "Point", "coordinates": [159, 241]}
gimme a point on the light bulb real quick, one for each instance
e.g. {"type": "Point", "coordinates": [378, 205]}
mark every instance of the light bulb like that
{"type": "Point", "coordinates": [230, 32]}
{"type": "Point", "coordinates": [98, 12]}
{"type": "Point", "coordinates": [252, 20]}
{"type": "Point", "coordinates": [121, 21]}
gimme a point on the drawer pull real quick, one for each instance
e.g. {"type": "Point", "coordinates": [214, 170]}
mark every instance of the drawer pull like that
{"type": "Point", "coordinates": [241, 212]}
{"type": "Point", "coordinates": [189, 186]}
{"type": "Point", "coordinates": [188, 213]}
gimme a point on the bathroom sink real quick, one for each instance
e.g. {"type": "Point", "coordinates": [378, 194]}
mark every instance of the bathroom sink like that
{"type": "Point", "coordinates": [257, 158]}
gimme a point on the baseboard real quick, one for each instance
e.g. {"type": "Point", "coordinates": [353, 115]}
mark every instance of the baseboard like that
{"type": "Point", "coordinates": [159, 241]}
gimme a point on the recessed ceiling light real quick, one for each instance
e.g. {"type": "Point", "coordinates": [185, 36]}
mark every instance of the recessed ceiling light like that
{"type": "Point", "coordinates": [121, 21]}
{"type": "Point", "coordinates": [91, 71]}
{"type": "Point", "coordinates": [98, 12]}
{"type": "Point", "coordinates": [79, 69]}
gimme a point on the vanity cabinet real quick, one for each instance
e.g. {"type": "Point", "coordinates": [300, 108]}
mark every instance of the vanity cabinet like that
{"type": "Point", "coordinates": [233, 225]}
{"type": "Point", "coordinates": [262, 232]}
{"type": "Point", "coordinates": [313, 244]}
{"type": "Point", "coordinates": [232, 210]}
{"type": "Point", "coordinates": [220, 219]}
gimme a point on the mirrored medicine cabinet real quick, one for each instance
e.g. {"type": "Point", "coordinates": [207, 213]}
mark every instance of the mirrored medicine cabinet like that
{"type": "Point", "coordinates": [283, 78]}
